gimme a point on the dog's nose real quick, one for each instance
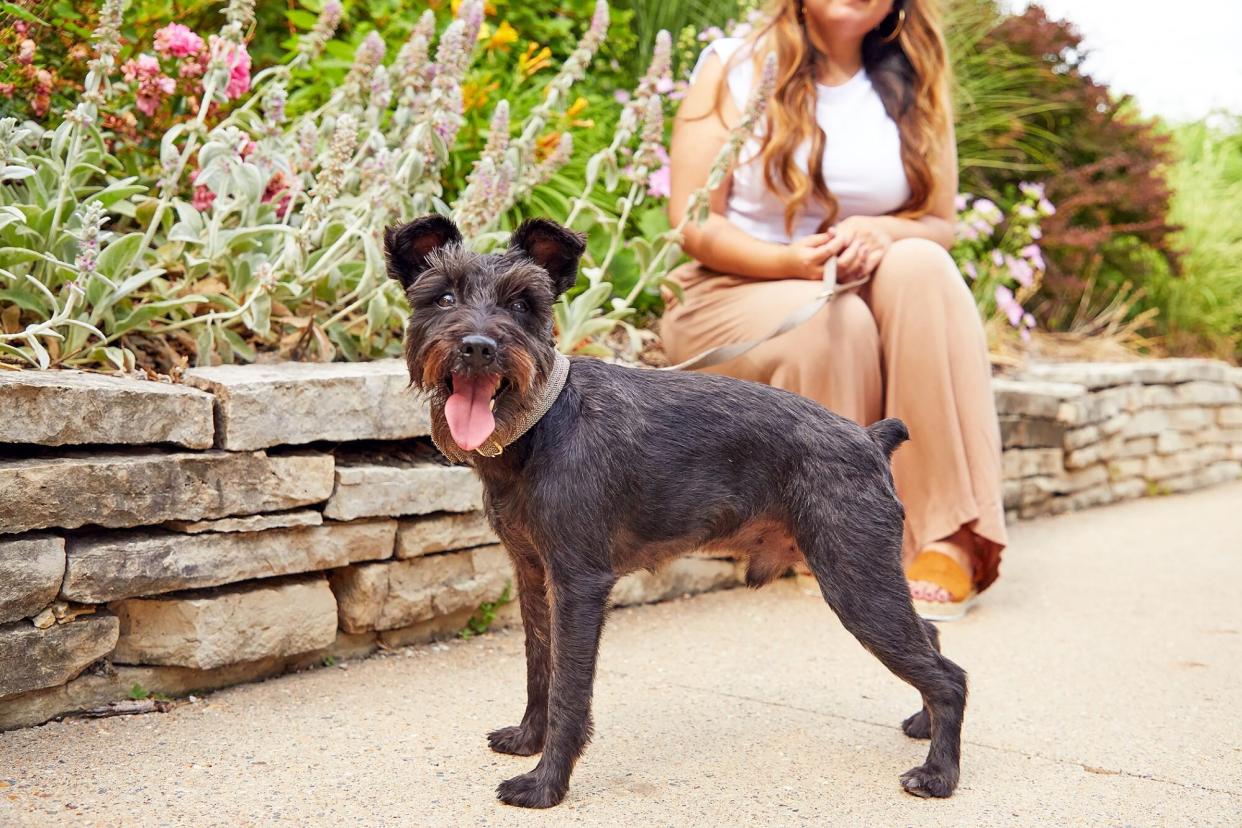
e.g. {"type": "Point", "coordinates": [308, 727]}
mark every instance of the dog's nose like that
{"type": "Point", "coordinates": [478, 351]}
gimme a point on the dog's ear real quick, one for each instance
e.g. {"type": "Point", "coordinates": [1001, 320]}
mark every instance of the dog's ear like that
{"type": "Point", "coordinates": [555, 248]}
{"type": "Point", "coordinates": [408, 246]}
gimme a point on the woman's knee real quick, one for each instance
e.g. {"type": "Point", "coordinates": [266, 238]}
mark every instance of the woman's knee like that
{"type": "Point", "coordinates": [850, 321]}
{"type": "Point", "coordinates": [920, 269]}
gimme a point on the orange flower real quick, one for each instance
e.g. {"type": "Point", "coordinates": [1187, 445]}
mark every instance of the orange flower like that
{"type": "Point", "coordinates": [502, 37]}
{"type": "Point", "coordinates": [533, 61]}
{"type": "Point", "coordinates": [546, 144]}
{"type": "Point", "coordinates": [474, 95]}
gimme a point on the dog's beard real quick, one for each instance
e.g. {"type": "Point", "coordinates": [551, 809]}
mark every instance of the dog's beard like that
{"type": "Point", "coordinates": [474, 410]}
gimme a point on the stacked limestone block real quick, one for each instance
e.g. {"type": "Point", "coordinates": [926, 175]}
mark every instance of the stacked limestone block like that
{"type": "Point", "coordinates": [1085, 434]}
{"type": "Point", "coordinates": [250, 521]}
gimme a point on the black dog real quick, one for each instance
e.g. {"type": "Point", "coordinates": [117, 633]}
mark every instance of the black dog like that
{"type": "Point", "coordinates": [629, 468]}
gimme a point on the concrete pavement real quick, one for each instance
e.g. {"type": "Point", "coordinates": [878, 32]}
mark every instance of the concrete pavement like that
{"type": "Point", "coordinates": [1106, 685]}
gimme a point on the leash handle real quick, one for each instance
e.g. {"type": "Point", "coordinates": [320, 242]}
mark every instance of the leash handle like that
{"type": "Point", "coordinates": [725, 353]}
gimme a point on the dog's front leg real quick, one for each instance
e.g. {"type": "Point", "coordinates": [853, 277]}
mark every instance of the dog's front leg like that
{"type": "Point", "coordinates": [526, 739]}
{"type": "Point", "coordinates": [578, 605]}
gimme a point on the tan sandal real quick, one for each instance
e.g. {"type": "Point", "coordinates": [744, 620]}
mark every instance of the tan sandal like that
{"type": "Point", "coordinates": [939, 568]}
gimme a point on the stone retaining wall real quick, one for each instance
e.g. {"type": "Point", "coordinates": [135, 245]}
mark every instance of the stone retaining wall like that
{"type": "Point", "coordinates": [256, 519]}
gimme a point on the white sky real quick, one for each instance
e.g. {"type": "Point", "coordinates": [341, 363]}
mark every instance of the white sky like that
{"type": "Point", "coordinates": [1179, 59]}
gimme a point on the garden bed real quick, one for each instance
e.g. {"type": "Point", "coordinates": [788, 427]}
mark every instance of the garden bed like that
{"type": "Point", "coordinates": [160, 538]}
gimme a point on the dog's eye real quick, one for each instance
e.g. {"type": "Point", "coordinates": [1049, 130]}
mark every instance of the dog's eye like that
{"type": "Point", "coordinates": [519, 306]}
{"type": "Point", "coordinates": [446, 301]}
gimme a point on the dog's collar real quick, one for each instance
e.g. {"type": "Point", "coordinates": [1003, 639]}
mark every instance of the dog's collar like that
{"type": "Point", "coordinates": [493, 448]}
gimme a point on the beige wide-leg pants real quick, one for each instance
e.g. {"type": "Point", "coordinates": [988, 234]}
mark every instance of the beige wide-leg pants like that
{"type": "Point", "coordinates": [909, 344]}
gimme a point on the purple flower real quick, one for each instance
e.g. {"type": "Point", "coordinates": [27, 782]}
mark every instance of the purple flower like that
{"type": "Point", "coordinates": [998, 258]}
{"type": "Point", "coordinates": [960, 202]}
{"type": "Point", "coordinates": [1034, 255]}
{"type": "Point", "coordinates": [1008, 305]}
{"type": "Point", "coordinates": [970, 270]}
{"type": "Point", "coordinates": [1046, 208]}
{"type": "Point", "coordinates": [1026, 211]}
{"type": "Point", "coordinates": [988, 210]}
{"type": "Point", "coordinates": [621, 96]}
{"type": "Point", "coordinates": [1021, 270]}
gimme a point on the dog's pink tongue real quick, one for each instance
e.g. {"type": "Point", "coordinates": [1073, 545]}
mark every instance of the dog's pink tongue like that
{"type": "Point", "coordinates": [469, 410]}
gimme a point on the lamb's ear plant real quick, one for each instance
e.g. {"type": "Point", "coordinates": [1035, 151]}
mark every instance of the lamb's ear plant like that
{"type": "Point", "coordinates": [585, 319]}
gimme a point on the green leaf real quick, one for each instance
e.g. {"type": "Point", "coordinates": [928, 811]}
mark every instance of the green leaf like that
{"type": "Point", "coordinates": [301, 18]}
{"type": "Point", "coordinates": [377, 312]}
{"type": "Point", "coordinates": [204, 346]}
{"type": "Point", "coordinates": [238, 345]}
{"type": "Point", "coordinates": [117, 257]}
{"type": "Point", "coordinates": [116, 192]}
{"type": "Point", "coordinates": [41, 357]}
{"type": "Point", "coordinates": [10, 256]}
{"type": "Point", "coordinates": [18, 11]}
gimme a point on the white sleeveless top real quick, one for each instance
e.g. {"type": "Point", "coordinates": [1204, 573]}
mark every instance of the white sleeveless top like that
{"type": "Point", "coordinates": [862, 155]}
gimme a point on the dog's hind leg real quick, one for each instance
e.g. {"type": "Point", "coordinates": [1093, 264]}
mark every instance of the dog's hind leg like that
{"type": "Point", "coordinates": [579, 602]}
{"type": "Point", "coordinates": [526, 739]}
{"type": "Point", "coordinates": [856, 561]}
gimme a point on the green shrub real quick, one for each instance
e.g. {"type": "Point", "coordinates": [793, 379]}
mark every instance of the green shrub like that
{"type": "Point", "coordinates": [1201, 310]}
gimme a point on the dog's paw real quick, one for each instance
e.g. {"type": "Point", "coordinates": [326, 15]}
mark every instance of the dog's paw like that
{"type": "Point", "coordinates": [918, 726]}
{"type": "Point", "coordinates": [515, 741]}
{"type": "Point", "coordinates": [929, 781]}
{"type": "Point", "coordinates": [530, 790]}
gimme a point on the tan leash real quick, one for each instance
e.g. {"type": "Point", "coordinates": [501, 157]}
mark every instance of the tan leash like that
{"type": "Point", "coordinates": [724, 353]}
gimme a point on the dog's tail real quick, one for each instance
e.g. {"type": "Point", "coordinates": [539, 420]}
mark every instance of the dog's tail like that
{"type": "Point", "coordinates": [889, 434]}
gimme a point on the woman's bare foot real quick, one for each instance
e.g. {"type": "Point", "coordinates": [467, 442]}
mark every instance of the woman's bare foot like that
{"type": "Point", "coordinates": [956, 546]}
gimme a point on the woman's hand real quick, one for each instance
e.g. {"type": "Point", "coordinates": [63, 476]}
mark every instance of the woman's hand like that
{"type": "Point", "coordinates": [805, 257]}
{"type": "Point", "coordinates": [859, 243]}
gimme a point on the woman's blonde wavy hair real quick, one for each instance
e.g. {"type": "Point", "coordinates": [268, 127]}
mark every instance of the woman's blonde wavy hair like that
{"type": "Point", "coordinates": [909, 73]}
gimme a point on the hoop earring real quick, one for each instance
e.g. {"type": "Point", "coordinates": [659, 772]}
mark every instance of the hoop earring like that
{"type": "Point", "coordinates": [901, 22]}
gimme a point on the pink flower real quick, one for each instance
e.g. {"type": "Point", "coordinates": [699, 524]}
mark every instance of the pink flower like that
{"type": "Point", "coordinates": [239, 73]}
{"type": "Point", "coordinates": [26, 52]}
{"type": "Point", "coordinates": [193, 66]}
{"type": "Point", "coordinates": [659, 183]}
{"type": "Point", "coordinates": [970, 270]}
{"type": "Point", "coordinates": [621, 96]}
{"type": "Point", "coordinates": [152, 83]}
{"type": "Point", "coordinates": [202, 199]}
{"type": "Point", "coordinates": [1034, 255]}
{"type": "Point", "coordinates": [959, 202]}
{"type": "Point", "coordinates": [664, 85]}
{"type": "Point", "coordinates": [998, 258]}
{"type": "Point", "coordinates": [176, 40]}
{"type": "Point", "coordinates": [203, 196]}
{"type": "Point", "coordinates": [238, 60]}
{"type": "Point", "coordinates": [1021, 270]}
{"type": "Point", "coordinates": [277, 189]}
{"type": "Point", "coordinates": [1008, 305]}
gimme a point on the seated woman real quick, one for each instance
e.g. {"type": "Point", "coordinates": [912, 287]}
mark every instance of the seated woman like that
{"type": "Point", "coordinates": [855, 160]}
